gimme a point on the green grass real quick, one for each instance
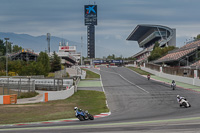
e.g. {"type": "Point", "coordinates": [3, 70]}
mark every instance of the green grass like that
{"type": "Point", "coordinates": [22, 94]}
{"type": "Point", "coordinates": [93, 101]}
{"type": "Point", "coordinates": [51, 75]}
{"type": "Point", "coordinates": [90, 74]}
{"type": "Point", "coordinates": [27, 95]}
{"type": "Point", "coordinates": [85, 83]}
{"type": "Point", "coordinates": [138, 70]}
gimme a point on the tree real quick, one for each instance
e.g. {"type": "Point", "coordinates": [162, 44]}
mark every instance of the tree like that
{"type": "Point", "coordinates": [55, 62]}
{"type": "Point", "coordinates": [2, 63]}
{"type": "Point", "coordinates": [15, 66]}
{"type": "Point", "coordinates": [197, 38]}
{"type": "Point", "coordinates": [158, 52]}
{"type": "Point", "coordinates": [156, 45]}
{"type": "Point", "coordinates": [43, 58]}
{"type": "Point", "coordinates": [2, 48]}
{"type": "Point", "coordinates": [16, 48]}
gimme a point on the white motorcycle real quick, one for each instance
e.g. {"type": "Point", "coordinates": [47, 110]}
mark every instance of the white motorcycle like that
{"type": "Point", "coordinates": [173, 85]}
{"type": "Point", "coordinates": [185, 103]}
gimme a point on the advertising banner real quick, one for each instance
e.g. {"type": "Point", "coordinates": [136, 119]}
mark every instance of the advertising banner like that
{"type": "Point", "coordinates": [90, 14]}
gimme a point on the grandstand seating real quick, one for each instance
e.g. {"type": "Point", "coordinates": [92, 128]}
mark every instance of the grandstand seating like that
{"type": "Point", "coordinates": [179, 53]}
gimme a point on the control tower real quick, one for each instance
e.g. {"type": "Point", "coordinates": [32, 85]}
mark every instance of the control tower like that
{"type": "Point", "coordinates": [90, 22]}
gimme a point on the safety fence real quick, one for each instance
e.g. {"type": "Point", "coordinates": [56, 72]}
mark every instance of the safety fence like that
{"type": "Point", "coordinates": [17, 85]}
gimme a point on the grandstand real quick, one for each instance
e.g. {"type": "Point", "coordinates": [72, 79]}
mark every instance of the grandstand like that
{"type": "Point", "coordinates": [184, 56]}
{"type": "Point", "coordinates": [147, 35]}
{"type": "Point", "coordinates": [68, 54]}
{"type": "Point", "coordinates": [25, 55]}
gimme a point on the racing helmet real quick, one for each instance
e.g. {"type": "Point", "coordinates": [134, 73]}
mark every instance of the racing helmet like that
{"type": "Point", "coordinates": [178, 96]}
{"type": "Point", "coordinates": [75, 108]}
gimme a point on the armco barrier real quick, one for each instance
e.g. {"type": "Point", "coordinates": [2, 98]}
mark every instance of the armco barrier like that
{"type": "Point", "coordinates": [56, 95]}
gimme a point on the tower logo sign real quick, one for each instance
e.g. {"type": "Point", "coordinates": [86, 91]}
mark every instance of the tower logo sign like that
{"type": "Point", "coordinates": [90, 9]}
{"type": "Point", "coordinates": [90, 14]}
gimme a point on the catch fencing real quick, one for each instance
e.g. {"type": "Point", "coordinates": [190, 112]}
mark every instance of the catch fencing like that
{"type": "Point", "coordinates": [13, 85]}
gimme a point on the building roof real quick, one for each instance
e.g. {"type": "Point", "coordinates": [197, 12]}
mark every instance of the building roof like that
{"type": "Point", "coordinates": [141, 29]}
{"type": "Point", "coordinates": [176, 55]}
{"type": "Point", "coordinates": [196, 63]}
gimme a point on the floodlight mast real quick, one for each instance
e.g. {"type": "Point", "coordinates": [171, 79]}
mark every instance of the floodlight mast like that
{"type": "Point", "coordinates": [81, 50]}
{"type": "Point", "coordinates": [6, 55]}
{"type": "Point", "coordinates": [48, 42]}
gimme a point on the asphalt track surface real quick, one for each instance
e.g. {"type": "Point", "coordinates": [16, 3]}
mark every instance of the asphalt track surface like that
{"type": "Point", "coordinates": [136, 105]}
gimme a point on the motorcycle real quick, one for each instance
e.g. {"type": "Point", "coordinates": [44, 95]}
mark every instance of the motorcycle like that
{"type": "Point", "coordinates": [185, 103]}
{"type": "Point", "coordinates": [173, 85]}
{"type": "Point", "coordinates": [83, 115]}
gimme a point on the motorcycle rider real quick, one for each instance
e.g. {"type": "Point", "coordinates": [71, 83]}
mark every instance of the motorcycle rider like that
{"type": "Point", "coordinates": [77, 109]}
{"type": "Point", "coordinates": [148, 76]}
{"type": "Point", "coordinates": [80, 110]}
{"type": "Point", "coordinates": [179, 98]}
{"type": "Point", "coordinates": [173, 82]}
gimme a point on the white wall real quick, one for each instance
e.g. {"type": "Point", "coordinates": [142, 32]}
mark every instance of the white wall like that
{"type": "Point", "coordinates": [192, 81]}
{"type": "Point", "coordinates": [56, 95]}
{"type": "Point", "coordinates": [1, 99]}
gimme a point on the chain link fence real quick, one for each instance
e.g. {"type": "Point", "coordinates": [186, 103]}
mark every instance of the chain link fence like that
{"type": "Point", "coordinates": [23, 84]}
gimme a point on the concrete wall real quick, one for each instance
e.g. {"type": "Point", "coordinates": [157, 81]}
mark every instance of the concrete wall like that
{"type": "Point", "coordinates": [1, 99]}
{"type": "Point", "coordinates": [192, 81]}
{"type": "Point", "coordinates": [56, 95]}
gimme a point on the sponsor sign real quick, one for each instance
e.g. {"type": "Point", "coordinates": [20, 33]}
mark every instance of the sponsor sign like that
{"type": "Point", "coordinates": [90, 14]}
{"type": "Point", "coordinates": [67, 48]}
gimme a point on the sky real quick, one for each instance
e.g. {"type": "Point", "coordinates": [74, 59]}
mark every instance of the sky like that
{"type": "Point", "coordinates": [116, 20]}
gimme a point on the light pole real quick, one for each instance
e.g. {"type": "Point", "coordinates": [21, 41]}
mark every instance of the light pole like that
{"type": "Point", "coordinates": [81, 50]}
{"type": "Point", "coordinates": [6, 55]}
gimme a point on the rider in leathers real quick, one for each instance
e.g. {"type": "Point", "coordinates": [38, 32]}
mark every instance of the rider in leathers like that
{"type": "Point", "coordinates": [179, 98]}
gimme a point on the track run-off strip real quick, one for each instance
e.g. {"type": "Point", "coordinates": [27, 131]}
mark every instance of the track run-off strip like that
{"type": "Point", "coordinates": [126, 80]}
{"type": "Point", "coordinates": [51, 122]}
{"type": "Point", "coordinates": [112, 124]}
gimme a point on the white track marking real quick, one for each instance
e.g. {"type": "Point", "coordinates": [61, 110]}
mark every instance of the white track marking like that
{"type": "Point", "coordinates": [104, 91]}
{"type": "Point", "coordinates": [127, 80]}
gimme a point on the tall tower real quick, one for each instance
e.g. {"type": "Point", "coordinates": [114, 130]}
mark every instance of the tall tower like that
{"type": "Point", "coordinates": [90, 22]}
{"type": "Point", "coordinates": [48, 42]}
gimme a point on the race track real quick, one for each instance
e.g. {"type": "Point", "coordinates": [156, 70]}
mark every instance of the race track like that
{"type": "Point", "coordinates": [136, 105]}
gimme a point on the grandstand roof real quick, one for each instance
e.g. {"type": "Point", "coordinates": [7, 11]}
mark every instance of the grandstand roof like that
{"type": "Point", "coordinates": [196, 63]}
{"type": "Point", "coordinates": [141, 29]}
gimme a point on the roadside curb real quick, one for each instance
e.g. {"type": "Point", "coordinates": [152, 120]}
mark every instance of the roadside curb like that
{"type": "Point", "coordinates": [55, 121]}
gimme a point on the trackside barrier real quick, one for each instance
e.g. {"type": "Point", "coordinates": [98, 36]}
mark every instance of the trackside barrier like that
{"type": "Point", "coordinates": [46, 97]}
{"type": "Point", "coordinates": [8, 99]}
{"type": "Point", "coordinates": [57, 95]}
{"type": "Point", "coordinates": [192, 81]}
{"type": "Point", "coordinates": [13, 99]}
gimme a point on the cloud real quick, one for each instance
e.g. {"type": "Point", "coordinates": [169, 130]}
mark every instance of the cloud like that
{"type": "Point", "coordinates": [116, 18]}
